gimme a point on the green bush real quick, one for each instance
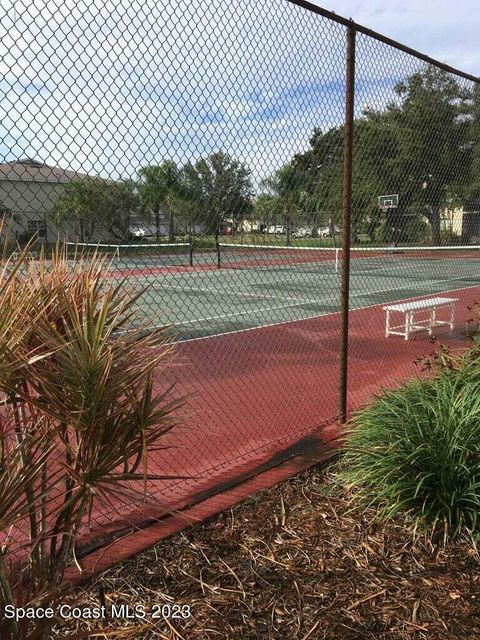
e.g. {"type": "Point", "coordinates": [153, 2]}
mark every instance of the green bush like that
{"type": "Point", "coordinates": [417, 449]}
{"type": "Point", "coordinates": [383, 233]}
{"type": "Point", "coordinates": [416, 230]}
{"type": "Point", "coordinates": [447, 236]}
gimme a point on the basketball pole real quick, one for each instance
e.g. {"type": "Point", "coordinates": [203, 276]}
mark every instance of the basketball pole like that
{"type": "Point", "coordinates": [346, 221]}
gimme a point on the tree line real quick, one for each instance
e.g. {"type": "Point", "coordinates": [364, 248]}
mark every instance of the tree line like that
{"type": "Point", "coordinates": [202, 193]}
{"type": "Point", "coordinates": [424, 145]}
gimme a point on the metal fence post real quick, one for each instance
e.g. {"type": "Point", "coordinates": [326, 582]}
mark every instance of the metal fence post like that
{"type": "Point", "coordinates": [346, 220]}
{"type": "Point", "coordinates": [190, 250]}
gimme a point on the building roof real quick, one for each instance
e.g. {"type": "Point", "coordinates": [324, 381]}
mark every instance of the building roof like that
{"type": "Point", "coordinates": [29, 170]}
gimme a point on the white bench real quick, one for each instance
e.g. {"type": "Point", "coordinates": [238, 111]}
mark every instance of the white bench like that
{"type": "Point", "coordinates": [432, 305]}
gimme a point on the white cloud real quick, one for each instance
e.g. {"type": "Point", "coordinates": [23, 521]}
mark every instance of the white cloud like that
{"type": "Point", "coordinates": [106, 86]}
{"type": "Point", "coordinates": [442, 29]}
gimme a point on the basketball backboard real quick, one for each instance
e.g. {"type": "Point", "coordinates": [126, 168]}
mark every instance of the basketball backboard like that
{"type": "Point", "coordinates": [388, 202]}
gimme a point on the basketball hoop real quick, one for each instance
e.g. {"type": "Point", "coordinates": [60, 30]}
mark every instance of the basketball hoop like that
{"type": "Point", "coordinates": [388, 202]}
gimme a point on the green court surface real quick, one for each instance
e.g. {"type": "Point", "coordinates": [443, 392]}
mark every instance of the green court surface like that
{"type": "Point", "coordinates": [241, 295]}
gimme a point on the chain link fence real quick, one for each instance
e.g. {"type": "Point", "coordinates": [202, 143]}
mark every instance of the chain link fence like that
{"type": "Point", "coordinates": [202, 147]}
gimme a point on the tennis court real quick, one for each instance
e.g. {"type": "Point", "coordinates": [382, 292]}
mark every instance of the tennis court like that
{"type": "Point", "coordinates": [243, 287]}
{"type": "Point", "coordinates": [258, 353]}
{"type": "Point", "coordinates": [258, 361]}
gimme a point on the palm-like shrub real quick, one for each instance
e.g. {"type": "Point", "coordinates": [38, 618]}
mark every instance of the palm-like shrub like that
{"type": "Point", "coordinates": [79, 412]}
{"type": "Point", "coordinates": [417, 449]}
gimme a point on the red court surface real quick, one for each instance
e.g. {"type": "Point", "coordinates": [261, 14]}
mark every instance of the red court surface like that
{"type": "Point", "coordinates": [285, 381]}
{"type": "Point", "coordinates": [256, 401]}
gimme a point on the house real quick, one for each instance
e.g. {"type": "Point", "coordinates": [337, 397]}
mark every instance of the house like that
{"type": "Point", "coordinates": [28, 191]}
{"type": "Point", "coordinates": [464, 223]}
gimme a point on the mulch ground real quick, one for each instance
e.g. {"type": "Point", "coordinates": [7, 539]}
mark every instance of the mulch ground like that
{"type": "Point", "coordinates": [297, 561]}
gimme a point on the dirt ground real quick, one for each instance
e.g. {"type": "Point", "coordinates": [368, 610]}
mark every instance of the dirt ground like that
{"type": "Point", "coordinates": [297, 561]}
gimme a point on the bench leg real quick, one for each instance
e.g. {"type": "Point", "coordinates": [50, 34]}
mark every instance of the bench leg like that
{"type": "Point", "coordinates": [433, 317]}
{"type": "Point", "coordinates": [452, 317]}
{"type": "Point", "coordinates": [408, 322]}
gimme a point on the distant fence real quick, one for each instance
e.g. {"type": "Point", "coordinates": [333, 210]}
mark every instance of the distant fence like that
{"type": "Point", "coordinates": [229, 155]}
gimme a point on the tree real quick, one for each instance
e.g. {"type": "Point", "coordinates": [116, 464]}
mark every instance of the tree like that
{"type": "Point", "coordinates": [419, 147]}
{"type": "Point", "coordinates": [266, 209]}
{"type": "Point", "coordinates": [433, 127]}
{"type": "Point", "coordinates": [319, 176]}
{"type": "Point", "coordinates": [473, 192]}
{"type": "Point", "coordinates": [159, 186]}
{"type": "Point", "coordinates": [97, 202]}
{"type": "Point", "coordinates": [285, 194]}
{"type": "Point", "coordinates": [221, 189]}
{"type": "Point", "coordinates": [315, 179]}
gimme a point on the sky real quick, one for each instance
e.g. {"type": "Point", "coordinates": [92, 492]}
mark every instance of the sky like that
{"type": "Point", "coordinates": [446, 30]}
{"type": "Point", "coordinates": [108, 86]}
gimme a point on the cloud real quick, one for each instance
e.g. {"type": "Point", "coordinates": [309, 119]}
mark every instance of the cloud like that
{"type": "Point", "coordinates": [107, 86]}
{"type": "Point", "coordinates": [445, 31]}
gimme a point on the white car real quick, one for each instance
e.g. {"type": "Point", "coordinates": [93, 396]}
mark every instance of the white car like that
{"type": "Point", "coordinates": [276, 229]}
{"type": "Point", "coordinates": [303, 232]}
{"type": "Point", "coordinates": [138, 233]}
{"type": "Point", "coordinates": [324, 232]}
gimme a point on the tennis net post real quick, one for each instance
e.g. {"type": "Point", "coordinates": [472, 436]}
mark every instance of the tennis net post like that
{"type": "Point", "coordinates": [190, 250]}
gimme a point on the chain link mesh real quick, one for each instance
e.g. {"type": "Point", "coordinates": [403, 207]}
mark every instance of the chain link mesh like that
{"type": "Point", "coordinates": [416, 143]}
{"type": "Point", "coordinates": [200, 145]}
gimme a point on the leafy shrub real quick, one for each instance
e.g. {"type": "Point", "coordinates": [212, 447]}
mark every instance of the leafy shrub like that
{"type": "Point", "coordinates": [447, 236]}
{"type": "Point", "coordinates": [413, 229]}
{"type": "Point", "coordinates": [383, 233]}
{"type": "Point", "coordinates": [417, 449]}
{"type": "Point", "coordinates": [79, 414]}
{"type": "Point", "coordinates": [416, 230]}
{"type": "Point", "coordinates": [446, 358]}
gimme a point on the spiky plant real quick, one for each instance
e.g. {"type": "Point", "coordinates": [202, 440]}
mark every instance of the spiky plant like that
{"type": "Point", "coordinates": [80, 411]}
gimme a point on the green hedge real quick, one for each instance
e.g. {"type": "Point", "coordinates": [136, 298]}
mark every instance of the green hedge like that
{"type": "Point", "coordinates": [417, 449]}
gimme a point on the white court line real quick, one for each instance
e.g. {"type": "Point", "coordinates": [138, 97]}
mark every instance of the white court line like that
{"type": "Point", "coordinates": [243, 313]}
{"type": "Point", "coordinates": [300, 302]}
{"type": "Point", "coordinates": [234, 293]}
{"type": "Point", "coordinates": [214, 290]}
{"type": "Point", "coordinates": [283, 322]}
{"type": "Point", "coordinates": [380, 269]}
{"type": "Point", "coordinates": [293, 276]}
{"type": "Point", "coordinates": [320, 301]}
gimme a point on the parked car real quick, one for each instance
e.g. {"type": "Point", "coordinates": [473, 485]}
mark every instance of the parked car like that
{"type": "Point", "coordinates": [277, 228]}
{"type": "Point", "coordinates": [303, 232]}
{"type": "Point", "coordinates": [138, 233]}
{"type": "Point", "coordinates": [325, 232]}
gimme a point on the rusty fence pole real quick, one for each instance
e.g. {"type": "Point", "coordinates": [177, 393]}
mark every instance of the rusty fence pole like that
{"type": "Point", "coordinates": [346, 221]}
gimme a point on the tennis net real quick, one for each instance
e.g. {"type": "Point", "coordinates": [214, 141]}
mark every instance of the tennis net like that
{"type": "Point", "coordinates": [328, 259]}
{"type": "Point", "coordinates": [252, 256]}
{"type": "Point", "coordinates": [166, 254]}
{"type": "Point", "coordinates": [415, 257]}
